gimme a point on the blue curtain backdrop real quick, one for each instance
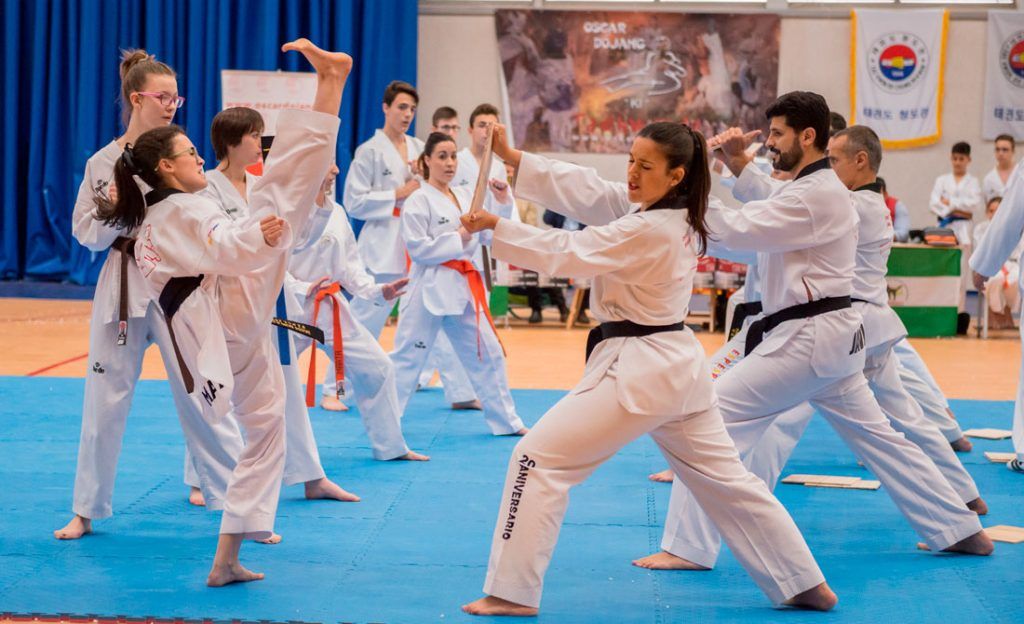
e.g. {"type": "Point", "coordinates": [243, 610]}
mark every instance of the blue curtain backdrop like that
{"type": "Point", "coordinates": [60, 92]}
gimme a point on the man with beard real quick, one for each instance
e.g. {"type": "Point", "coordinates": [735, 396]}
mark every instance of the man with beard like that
{"type": "Point", "coordinates": [810, 344]}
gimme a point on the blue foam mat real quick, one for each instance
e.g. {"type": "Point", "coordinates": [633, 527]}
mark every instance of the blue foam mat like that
{"type": "Point", "coordinates": [416, 547]}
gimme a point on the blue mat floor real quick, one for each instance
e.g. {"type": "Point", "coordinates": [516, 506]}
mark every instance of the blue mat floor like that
{"type": "Point", "coordinates": [416, 547]}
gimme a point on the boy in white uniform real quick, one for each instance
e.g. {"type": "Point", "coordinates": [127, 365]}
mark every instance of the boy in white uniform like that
{"type": "Point", "coordinates": [1003, 237]}
{"type": "Point", "coordinates": [956, 197]}
{"type": "Point", "coordinates": [994, 184]}
{"type": "Point", "coordinates": [380, 178]}
{"type": "Point", "coordinates": [318, 273]}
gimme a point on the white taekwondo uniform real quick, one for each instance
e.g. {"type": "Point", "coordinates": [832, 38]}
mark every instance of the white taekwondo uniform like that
{"type": "Point", "coordinates": [378, 169]}
{"type": "Point", "coordinates": [992, 185]}
{"type": "Point", "coordinates": [113, 369]}
{"type": "Point", "coordinates": [692, 534]}
{"type": "Point", "coordinates": [302, 458]}
{"type": "Point", "coordinates": [1002, 238]}
{"type": "Point", "coordinates": [367, 366]}
{"type": "Point", "coordinates": [439, 297]}
{"type": "Point", "coordinates": [228, 280]}
{"type": "Point", "coordinates": [642, 265]}
{"type": "Point", "coordinates": [966, 196]}
{"type": "Point", "coordinates": [802, 233]}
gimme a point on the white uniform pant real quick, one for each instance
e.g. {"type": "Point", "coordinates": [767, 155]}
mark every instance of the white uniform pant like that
{"type": "Point", "coordinates": [918, 381]}
{"type": "Point", "coordinates": [301, 456]}
{"type": "Point", "coordinates": [762, 388]}
{"type": "Point", "coordinates": [370, 374]}
{"type": "Point", "coordinates": [417, 332]}
{"type": "Point", "coordinates": [582, 431]}
{"type": "Point", "coordinates": [373, 316]}
{"type": "Point", "coordinates": [109, 386]}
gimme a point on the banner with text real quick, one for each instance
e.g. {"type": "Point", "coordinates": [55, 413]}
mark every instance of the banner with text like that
{"type": "Point", "coordinates": [268, 92]}
{"type": "Point", "coordinates": [897, 65]}
{"type": "Point", "coordinates": [1004, 75]}
{"type": "Point", "coordinates": [588, 81]}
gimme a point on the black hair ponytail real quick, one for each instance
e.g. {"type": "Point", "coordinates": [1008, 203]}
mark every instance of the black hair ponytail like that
{"type": "Point", "coordinates": [685, 147]}
{"type": "Point", "coordinates": [138, 159]}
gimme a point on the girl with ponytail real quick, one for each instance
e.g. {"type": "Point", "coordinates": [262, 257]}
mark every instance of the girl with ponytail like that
{"type": "Point", "coordinates": [125, 318]}
{"type": "Point", "coordinates": [645, 371]}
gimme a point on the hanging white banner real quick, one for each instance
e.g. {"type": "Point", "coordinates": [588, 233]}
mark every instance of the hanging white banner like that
{"type": "Point", "coordinates": [1004, 75]}
{"type": "Point", "coordinates": [897, 63]}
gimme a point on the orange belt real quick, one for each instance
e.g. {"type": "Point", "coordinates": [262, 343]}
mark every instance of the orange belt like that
{"type": "Point", "coordinates": [329, 292]}
{"type": "Point", "coordinates": [476, 287]}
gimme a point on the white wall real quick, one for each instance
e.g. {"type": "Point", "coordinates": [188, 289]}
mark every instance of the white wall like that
{"type": "Point", "coordinates": [458, 67]}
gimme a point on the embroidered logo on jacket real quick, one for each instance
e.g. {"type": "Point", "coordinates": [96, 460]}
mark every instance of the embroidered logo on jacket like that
{"type": "Point", "coordinates": [386, 173]}
{"type": "Point", "coordinates": [443, 220]}
{"type": "Point", "coordinates": [145, 255]}
{"type": "Point", "coordinates": [419, 344]}
{"type": "Point", "coordinates": [99, 370]}
{"type": "Point", "coordinates": [210, 393]}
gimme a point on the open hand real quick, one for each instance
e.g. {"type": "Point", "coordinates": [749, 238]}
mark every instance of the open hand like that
{"type": "Point", "coordinates": [273, 230]}
{"type": "Point", "coordinates": [395, 289]}
{"type": "Point", "coordinates": [479, 221]}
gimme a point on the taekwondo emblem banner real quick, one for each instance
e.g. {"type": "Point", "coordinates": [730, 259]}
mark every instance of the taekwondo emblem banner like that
{"type": "Point", "coordinates": [1004, 77]}
{"type": "Point", "coordinates": [897, 65]}
{"type": "Point", "coordinates": [588, 81]}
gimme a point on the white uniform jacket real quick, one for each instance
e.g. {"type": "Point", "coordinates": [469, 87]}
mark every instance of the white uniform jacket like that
{"type": "Point", "coordinates": [805, 234]}
{"type": "Point", "coordinates": [1006, 230]}
{"type": "Point", "coordinates": [874, 242]}
{"type": "Point", "coordinates": [186, 235]}
{"type": "Point", "coordinates": [642, 265]}
{"type": "Point", "coordinates": [336, 256]}
{"type": "Point", "coordinates": [378, 169]}
{"type": "Point", "coordinates": [430, 224]}
{"type": "Point", "coordinates": [992, 185]}
{"type": "Point", "coordinates": [97, 237]}
{"type": "Point", "coordinates": [964, 195]}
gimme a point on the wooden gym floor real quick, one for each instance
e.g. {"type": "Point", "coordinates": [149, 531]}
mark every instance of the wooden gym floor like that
{"type": "Point", "coordinates": [51, 337]}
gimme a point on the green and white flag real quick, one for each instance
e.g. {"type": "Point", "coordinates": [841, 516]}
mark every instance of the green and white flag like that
{"type": "Point", "coordinates": [924, 288]}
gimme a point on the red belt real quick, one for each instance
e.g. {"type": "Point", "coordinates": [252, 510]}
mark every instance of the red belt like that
{"type": "Point", "coordinates": [476, 287]}
{"type": "Point", "coordinates": [329, 292]}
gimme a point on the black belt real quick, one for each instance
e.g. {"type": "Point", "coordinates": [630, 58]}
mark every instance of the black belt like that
{"type": "Point", "coordinates": [175, 291]}
{"type": "Point", "coordinates": [804, 310]}
{"type": "Point", "coordinates": [127, 248]}
{"type": "Point", "coordinates": [626, 329]}
{"type": "Point", "coordinates": [740, 314]}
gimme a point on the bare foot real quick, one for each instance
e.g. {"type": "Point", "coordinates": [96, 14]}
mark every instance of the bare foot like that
{"type": "Point", "coordinates": [75, 529]}
{"type": "Point", "coordinates": [665, 476]}
{"type": "Point", "coordinates": [977, 544]}
{"type": "Point", "coordinates": [666, 561]}
{"type": "Point", "coordinates": [978, 506]}
{"type": "Point", "coordinates": [225, 575]}
{"type": "Point", "coordinates": [489, 605]}
{"type": "Point", "coordinates": [327, 489]}
{"type": "Point", "coordinates": [468, 405]}
{"type": "Point", "coordinates": [273, 539]}
{"type": "Point", "coordinates": [963, 445]}
{"type": "Point", "coordinates": [333, 404]}
{"type": "Point", "coordinates": [521, 432]}
{"type": "Point", "coordinates": [195, 497]}
{"type": "Point", "coordinates": [819, 598]}
{"type": "Point", "coordinates": [413, 456]}
{"type": "Point", "coordinates": [335, 64]}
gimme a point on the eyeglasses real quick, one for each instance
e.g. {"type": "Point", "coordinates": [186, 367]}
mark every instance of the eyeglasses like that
{"type": "Point", "coordinates": [190, 151]}
{"type": "Point", "coordinates": [449, 128]}
{"type": "Point", "coordinates": [165, 99]}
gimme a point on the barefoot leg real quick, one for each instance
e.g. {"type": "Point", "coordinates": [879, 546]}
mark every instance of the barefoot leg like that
{"type": "Point", "coordinates": [75, 529]}
{"type": "Point", "coordinates": [818, 598]}
{"type": "Point", "coordinates": [413, 456]}
{"type": "Point", "coordinates": [489, 605]}
{"type": "Point", "coordinates": [665, 476]}
{"type": "Point", "coordinates": [666, 561]}
{"type": "Point", "coordinates": [326, 489]}
{"type": "Point", "coordinates": [978, 506]}
{"type": "Point", "coordinates": [226, 568]}
{"type": "Point", "coordinates": [332, 70]}
{"type": "Point", "coordinates": [195, 497]}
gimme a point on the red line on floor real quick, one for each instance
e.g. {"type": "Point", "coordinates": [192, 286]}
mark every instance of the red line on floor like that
{"type": "Point", "coordinates": [61, 363]}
